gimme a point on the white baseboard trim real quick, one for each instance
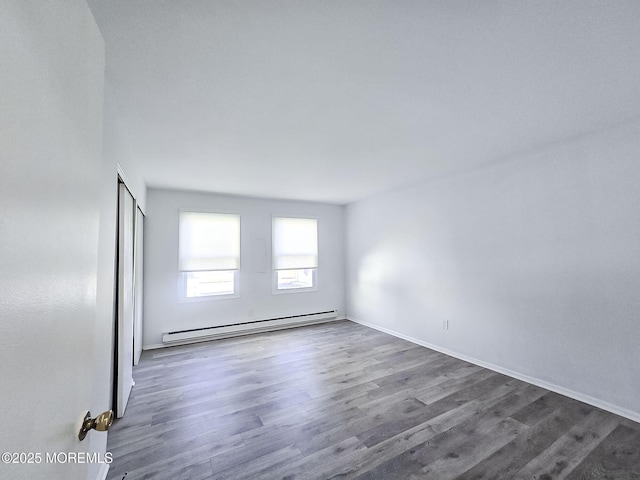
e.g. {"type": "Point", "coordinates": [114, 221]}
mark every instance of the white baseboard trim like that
{"type": "Point", "coordinates": [623, 412]}
{"type": "Point", "coordinates": [102, 473]}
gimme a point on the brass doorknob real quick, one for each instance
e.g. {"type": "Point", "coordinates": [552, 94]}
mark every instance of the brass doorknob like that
{"type": "Point", "coordinates": [101, 423]}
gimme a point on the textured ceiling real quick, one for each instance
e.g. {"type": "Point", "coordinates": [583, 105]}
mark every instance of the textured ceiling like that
{"type": "Point", "coordinates": [334, 100]}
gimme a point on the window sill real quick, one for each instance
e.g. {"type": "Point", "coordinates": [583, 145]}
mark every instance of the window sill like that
{"type": "Point", "coordinates": [205, 298]}
{"type": "Point", "coordinates": [275, 291]}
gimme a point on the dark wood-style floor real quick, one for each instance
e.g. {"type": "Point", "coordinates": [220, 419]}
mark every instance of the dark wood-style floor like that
{"type": "Point", "coordinates": [344, 401]}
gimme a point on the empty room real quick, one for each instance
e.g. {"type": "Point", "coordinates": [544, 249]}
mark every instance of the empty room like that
{"type": "Point", "coordinates": [319, 239]}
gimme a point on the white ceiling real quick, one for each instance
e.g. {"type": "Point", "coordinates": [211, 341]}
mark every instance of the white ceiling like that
{"type": "Point", "coordinates": [336, 100]}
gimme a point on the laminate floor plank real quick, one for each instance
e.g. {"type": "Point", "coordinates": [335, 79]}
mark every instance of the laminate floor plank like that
{"type": "Point", "coordinates": [143, 462]}
{"type": "Point", "coordinates": [342, 401]}
{"type": "Point", "coordinates": [317, 463]}
{"type": "Point", "coordinates": [390, 428]}
{"type": "Point", "coordinates": [617, 456]}
{"type": "Point", "coordinates": [569, 450]}
{"type": "Point", "coordinates": [175, 471]}
{"type": "Point", "coordinates": [469, 453]}
{"type": "Point", "coordinates": [505, 462]}
{"type": "Point", "coordinates": [412, 460]}
{"type": "Point", "coordinates": [257, 466]}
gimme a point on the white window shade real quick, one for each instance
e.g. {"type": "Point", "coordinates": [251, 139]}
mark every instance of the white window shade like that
{"type": "Point", "coordinates": [295, 243]}
{"type": "Point", "coordinates": [209, 242]}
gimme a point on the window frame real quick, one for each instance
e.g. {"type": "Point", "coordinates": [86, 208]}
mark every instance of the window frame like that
{"type": "Point", "coordinates": [278, 291]}
{"type": "Point", "coordinates": [182, 275]}
{"type": "Point", "coordinates": [274, 273]}
{"type": "Point", "coordinates": [220, 296]}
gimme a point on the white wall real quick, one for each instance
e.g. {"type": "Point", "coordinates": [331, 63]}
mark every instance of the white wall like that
{"type": "Point", "coordinates": [116, 146]}
{"type": "Point", "coordinates": [163, 310]}
{"type": "Point", "coordinates": [534, 260]}
{"type": "Point", "coordinates": [51, 104]}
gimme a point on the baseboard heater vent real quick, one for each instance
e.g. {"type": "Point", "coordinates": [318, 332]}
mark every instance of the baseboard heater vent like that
{"type": "Point", "coordinates": [246, 328]}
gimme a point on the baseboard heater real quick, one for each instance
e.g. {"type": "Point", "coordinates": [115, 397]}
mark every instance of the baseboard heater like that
{"type": "Point", "coordinates": [246, 328]}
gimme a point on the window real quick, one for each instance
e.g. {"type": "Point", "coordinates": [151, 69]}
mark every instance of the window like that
{"type": "Point", "coordinates": [209, 253]}
{"type": "Point", "coordinates": [203, 284]}
{"type": "Point", "coordinates": [295, 253]}
{"type": "Point", "coordinates": [303, 278]}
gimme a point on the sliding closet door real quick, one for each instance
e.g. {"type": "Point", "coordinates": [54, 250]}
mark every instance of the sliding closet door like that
{"type": "Point", "coordinates": [138, 256]}
{"type": "Point", "coordinates": [124, 324]}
